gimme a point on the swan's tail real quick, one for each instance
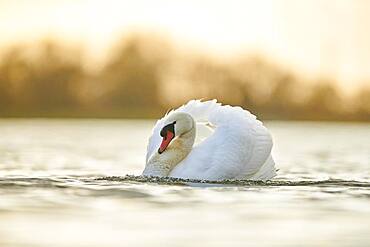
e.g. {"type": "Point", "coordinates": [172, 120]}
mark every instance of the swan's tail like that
{"type": "Point", "coordinates": [267, 171]}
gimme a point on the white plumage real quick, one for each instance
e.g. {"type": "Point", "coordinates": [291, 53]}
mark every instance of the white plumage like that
{"type": "Point", "coordinates": [239, 146]}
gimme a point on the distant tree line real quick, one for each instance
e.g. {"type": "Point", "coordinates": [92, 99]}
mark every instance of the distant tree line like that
{"type": "Point", "coordinates": [145, 77]}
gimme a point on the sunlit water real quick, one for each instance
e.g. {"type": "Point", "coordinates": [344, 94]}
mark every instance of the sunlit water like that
{"type": "Point", "coordinates": [64, 183]}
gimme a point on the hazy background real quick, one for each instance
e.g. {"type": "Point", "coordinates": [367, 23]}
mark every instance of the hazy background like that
{"type": "Point", "coordinates": [281, 59]}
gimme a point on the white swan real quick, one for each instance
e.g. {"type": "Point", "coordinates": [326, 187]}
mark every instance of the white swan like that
{"type": "Point", "coordinates": [239, 146]}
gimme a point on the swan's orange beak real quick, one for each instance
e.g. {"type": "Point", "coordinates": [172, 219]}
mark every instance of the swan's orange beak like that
{"type": "Point", "coordinates": [167, 138]}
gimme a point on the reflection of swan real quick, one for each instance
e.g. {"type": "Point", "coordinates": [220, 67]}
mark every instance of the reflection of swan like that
{"type": "Point", "coordinates": [239, 146]}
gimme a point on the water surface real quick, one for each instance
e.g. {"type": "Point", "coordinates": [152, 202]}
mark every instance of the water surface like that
{"type": "Point", "coordinates": [65, 183]}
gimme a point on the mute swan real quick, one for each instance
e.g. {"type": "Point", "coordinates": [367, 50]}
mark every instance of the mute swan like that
{"type": "Point", "coordinates": [238, 148]}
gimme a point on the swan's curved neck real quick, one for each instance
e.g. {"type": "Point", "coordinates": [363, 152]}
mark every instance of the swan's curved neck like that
{"type": "Point", "coordinates": [162, 164]}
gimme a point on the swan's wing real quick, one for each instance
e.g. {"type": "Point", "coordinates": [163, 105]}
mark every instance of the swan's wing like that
{"type": "Point", "coordinates": [238, 148]}
{"type": "Point", "coordinates": [155, 138]}
{"type": "Point", "coordinates": [200, 111]}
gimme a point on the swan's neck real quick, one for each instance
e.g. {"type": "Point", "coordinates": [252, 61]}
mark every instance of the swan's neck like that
{"type": "Point", "coordinates": [162, 164]}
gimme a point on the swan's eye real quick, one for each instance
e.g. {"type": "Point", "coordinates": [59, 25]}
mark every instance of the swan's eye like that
{"type": "Point", "coordinates": [170, 127]}
{"type": "Point", "coordinates": [163, 132]}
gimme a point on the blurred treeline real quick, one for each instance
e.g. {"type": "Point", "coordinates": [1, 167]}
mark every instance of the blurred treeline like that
{"type": "Point", "coordinates": [145, 76]}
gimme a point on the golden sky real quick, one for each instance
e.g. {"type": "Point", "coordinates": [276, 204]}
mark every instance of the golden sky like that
{"type": "Point", "coordinates": [314, 37]}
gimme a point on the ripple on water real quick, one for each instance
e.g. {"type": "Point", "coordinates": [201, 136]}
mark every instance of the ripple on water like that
{"type": "Point", "coordinates": [180, 181]}
{"type": "Point", "coordinates": [101, 182]}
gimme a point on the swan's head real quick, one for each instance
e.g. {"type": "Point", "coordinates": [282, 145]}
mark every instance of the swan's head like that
{"type": "Point", "coordinates": [177, 124]}
{"type": "Point", "coordinates": [178, 135]}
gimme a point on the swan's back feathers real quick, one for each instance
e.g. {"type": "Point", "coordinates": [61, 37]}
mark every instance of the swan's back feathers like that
{"type": "Point", "coordinates": [238, 148]}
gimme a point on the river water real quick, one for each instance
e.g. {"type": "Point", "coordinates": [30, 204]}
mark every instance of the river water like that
{"type": "Point", "coordinates": [64, 183]}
